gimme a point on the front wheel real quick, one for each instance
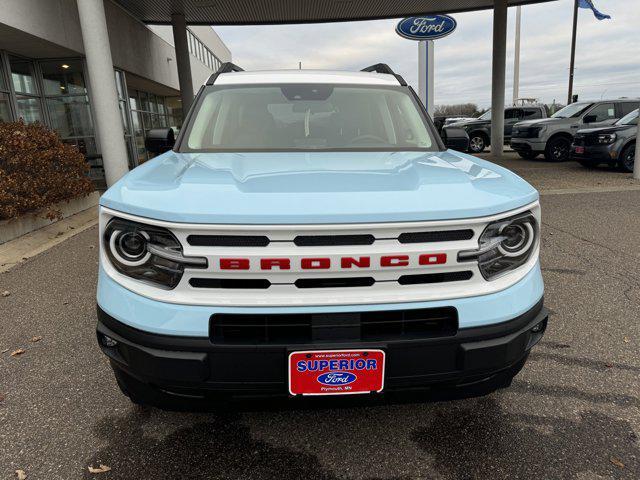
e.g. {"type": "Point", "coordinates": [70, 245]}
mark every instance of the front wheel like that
{"type": "Point", "coordinates": [627, 159]}
{"type": "Point", "coordinates": [477, 143]}
{"type": "Point", "coordinates": [558, 149]}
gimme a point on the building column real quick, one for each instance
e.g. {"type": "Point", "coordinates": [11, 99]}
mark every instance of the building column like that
{"type": "Point", "coordinates": [104, 98]}
{"type": "Point", "coordinates": [498, 76]}
{"type": "Point", "coordinates": [182, 60]}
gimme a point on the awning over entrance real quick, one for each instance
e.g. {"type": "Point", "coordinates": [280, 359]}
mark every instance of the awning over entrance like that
{"type": "Point", "coordinates": [254, 12]}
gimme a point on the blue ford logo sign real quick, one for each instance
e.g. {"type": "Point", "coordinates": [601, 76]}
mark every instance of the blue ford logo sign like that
{"type": "Point", "coordinates": [426, 28]}
{"type": "Point", "coordinates": [336, 378]}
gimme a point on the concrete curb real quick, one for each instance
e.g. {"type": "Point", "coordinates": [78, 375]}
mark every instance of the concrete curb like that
{"type": "Point", "coordinates": [17, 227]}
{"type": "Point", "coordinates": [14, 252]}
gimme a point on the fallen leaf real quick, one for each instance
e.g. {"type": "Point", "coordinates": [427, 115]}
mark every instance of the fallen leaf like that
{"type": "Point", "coordinates": [617, 462]}
{"type": "Point", "coordinates": [626, 340]}
{"type": "Point", "coordinates": [100, 469]}
{"type": "Point", "coordinates": [22, 475]}
{"type": "Point", "coordinates": [17, 352]}
{"type": "Point", "coordinates": [6, 293]}
{"type": "Point", "coordinates": [35, 339]}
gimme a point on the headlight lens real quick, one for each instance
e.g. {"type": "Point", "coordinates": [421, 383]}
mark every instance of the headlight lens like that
{"type": "Point", "coordinates": [539, 131]}
{"type": "Point", "coordinates": [607, 138]}
{"type": "Point", "coordinates": [147, 253]}
{"type": "Point", "coordinates": [504, 245]}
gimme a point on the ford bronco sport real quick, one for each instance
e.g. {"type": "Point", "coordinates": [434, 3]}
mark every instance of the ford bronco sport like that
{"type": "Point", "coordinates": [309, 234]}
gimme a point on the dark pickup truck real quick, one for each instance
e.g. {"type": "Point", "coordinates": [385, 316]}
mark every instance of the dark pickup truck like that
{"type": "Point", "coordinates": [479, 129]}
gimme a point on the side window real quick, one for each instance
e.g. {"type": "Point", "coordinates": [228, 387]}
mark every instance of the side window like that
{"type": "Point", "coordinates": [511, 114]}
{"type": "Point", "coordinates": [602, 112]}
{"type": "Point", "coordinates": [627, 107]}
{"type": "Point", "coordinates": [532, 113]}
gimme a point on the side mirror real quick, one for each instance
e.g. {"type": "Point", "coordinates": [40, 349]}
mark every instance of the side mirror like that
{"type": "Point", "coordinates": [160, 140]}
{"type": "Point", "coordinates": [590, 119]}
{"type": "Point", "coordinates": [455, 138]}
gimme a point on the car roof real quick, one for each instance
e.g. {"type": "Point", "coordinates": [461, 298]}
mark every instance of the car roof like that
{"type": "Point", "coordinates": [306, 76]}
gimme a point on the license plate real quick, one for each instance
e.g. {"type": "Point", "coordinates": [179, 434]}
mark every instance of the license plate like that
{"type": "Point", "coordinates": [336, 372]}
{"type": "Point", "coordinates": [579, 150]}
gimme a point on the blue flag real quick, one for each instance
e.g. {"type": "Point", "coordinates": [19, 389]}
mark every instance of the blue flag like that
{"type": "Point", "coordinates": [589, 4]}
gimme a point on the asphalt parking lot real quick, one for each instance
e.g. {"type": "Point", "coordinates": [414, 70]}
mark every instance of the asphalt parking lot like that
{"type": "Point", "coordinates": [573, 412]}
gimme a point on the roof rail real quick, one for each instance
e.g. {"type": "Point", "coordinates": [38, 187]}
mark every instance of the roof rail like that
{"type": "Point", "coordinates": [226, 67]}
{"type": "Point", "coordinates": [386, 69]}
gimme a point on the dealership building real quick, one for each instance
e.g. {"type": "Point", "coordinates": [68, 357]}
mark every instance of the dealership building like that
{"type": "Point", "coordinates": [44, 74]}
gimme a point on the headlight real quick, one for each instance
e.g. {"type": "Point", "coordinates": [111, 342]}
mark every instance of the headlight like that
{"type": "Point", "coordinates": [504, 245]}
{"type": "Point", "coordinates": [147, 253]}
{"type": "Point", "coordinates": [607, 138]}
{"type": "Point", "coordinates": [539, 131]}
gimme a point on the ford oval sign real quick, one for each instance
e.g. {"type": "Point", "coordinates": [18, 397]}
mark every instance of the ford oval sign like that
{"type": "Point", "coordinates": [336, 378]}
{"type": "Point", "coordinates": [426, 28]}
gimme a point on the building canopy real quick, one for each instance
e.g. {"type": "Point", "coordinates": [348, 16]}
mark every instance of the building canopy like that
{"type": "Point", "coordinates": [255, 12]}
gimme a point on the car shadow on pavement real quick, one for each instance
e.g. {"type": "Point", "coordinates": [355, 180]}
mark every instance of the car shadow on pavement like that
{"type": "Point", "coordinates": [483, 441]}
{"type": "Point", "coordinates": [471, 439]}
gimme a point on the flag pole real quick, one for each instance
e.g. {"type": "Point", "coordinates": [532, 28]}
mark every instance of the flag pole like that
{"type": "Point", "coordinates": [573, 51]}
{"type": "Point", "coordinates": [516, 57]}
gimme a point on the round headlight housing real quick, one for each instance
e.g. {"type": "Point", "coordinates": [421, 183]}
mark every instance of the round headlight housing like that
{"type": "Point", "coordinates": [147, 253]}
{"type": "Point", "coordinates": [504, 245]}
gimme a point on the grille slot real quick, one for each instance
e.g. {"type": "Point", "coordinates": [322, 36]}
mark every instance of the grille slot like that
{"type": "Point", "coordinates": [435, 277]}
{"type": "Point", "coordinates": [228, 241]}
{"type": "Point", "coordinates": [333, 327]}
{"type": "Point", "coordinates": [335, 282]}
{"type": "Point", "coordinates": [331, 240]}
{"type": "Point", "coordinates": [230, 283]}
{"type": "Point", "coordinates": [441, 236]}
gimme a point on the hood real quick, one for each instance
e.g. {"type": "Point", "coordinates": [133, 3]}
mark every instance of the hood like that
{"type": "Point", "coordinates": [469, 123]}
{"type": "Point", "coordinates": [317, 187]}
{"type": "Point", "coordinates": [544, 121]}
{"type": "Point", "coordinates": [608, 129]}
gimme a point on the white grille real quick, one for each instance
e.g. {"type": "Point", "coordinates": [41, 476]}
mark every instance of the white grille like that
{"type": "Point", "coordinates": [283, 291]}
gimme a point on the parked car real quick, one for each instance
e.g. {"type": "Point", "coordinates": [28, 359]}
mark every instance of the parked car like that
{"type": "Point", "coordinates": [479, 129]}
{"type": "Point", "coordinates": [441, 121]}
{"type": "Point", "coordinates": [309, 234]}
{"type": "Point", "coordinates": [553, 136]}
{"type": "Point", "coordinates": [614, 145]}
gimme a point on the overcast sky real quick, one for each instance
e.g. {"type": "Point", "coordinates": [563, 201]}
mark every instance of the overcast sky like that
{"type": "Point", "coordinates": [607, 58]}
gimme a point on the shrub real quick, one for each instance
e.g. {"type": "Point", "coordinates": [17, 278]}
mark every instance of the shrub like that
{"type": "Point", "coordinates": [37, 170]}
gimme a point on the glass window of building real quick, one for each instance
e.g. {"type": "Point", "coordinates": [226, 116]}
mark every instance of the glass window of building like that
{"type": "Point", "coordinates": [5, 99]}
{"type": "Point", "coordinates": [63, 77]}
{"type": "Point", "coordinates": [24, 84]}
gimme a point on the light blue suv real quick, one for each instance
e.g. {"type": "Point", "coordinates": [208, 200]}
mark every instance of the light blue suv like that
{"type": "Point", "coordinates": [307, 233]}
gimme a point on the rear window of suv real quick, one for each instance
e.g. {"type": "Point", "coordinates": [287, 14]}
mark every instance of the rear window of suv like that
{"type": "Point", "coordinates": [307, 117]}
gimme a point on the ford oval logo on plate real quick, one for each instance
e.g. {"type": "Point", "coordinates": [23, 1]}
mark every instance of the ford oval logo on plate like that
{"type": "Point", "coordinates": [426, 28]}
{"type": "Point", "coordinates": [337, 378]}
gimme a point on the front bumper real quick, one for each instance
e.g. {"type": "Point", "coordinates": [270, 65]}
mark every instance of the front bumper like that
{"type": "Point", "coordinates": [527, 145]}
{"type": "Point", "coordinates": [198, 366]}
{"type": "Point", "coordinates": [596, 154]}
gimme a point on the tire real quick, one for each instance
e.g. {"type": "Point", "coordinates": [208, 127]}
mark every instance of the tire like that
{"type": "Point", "coordinates": [477, 142]}
{"type": "Point", "coordinates": [558, 149]}
{"type": "Point", "coordinates": [528, 155]}
{"type": "Point", "coordinates": [627, 158]}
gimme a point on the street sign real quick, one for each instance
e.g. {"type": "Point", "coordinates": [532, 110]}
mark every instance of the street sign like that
{"type": "Point", "coordinates": [426, 28]}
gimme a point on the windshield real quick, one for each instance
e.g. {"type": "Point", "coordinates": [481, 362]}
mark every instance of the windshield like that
{"type": "Point", "coordinates": [629, 119]}
{"type": "Point", "coordinates": [573, 110]}
{"type": "Point", "coordinates": [485, 116]}
{"type": "Point", "coordinates": [307, 117]}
